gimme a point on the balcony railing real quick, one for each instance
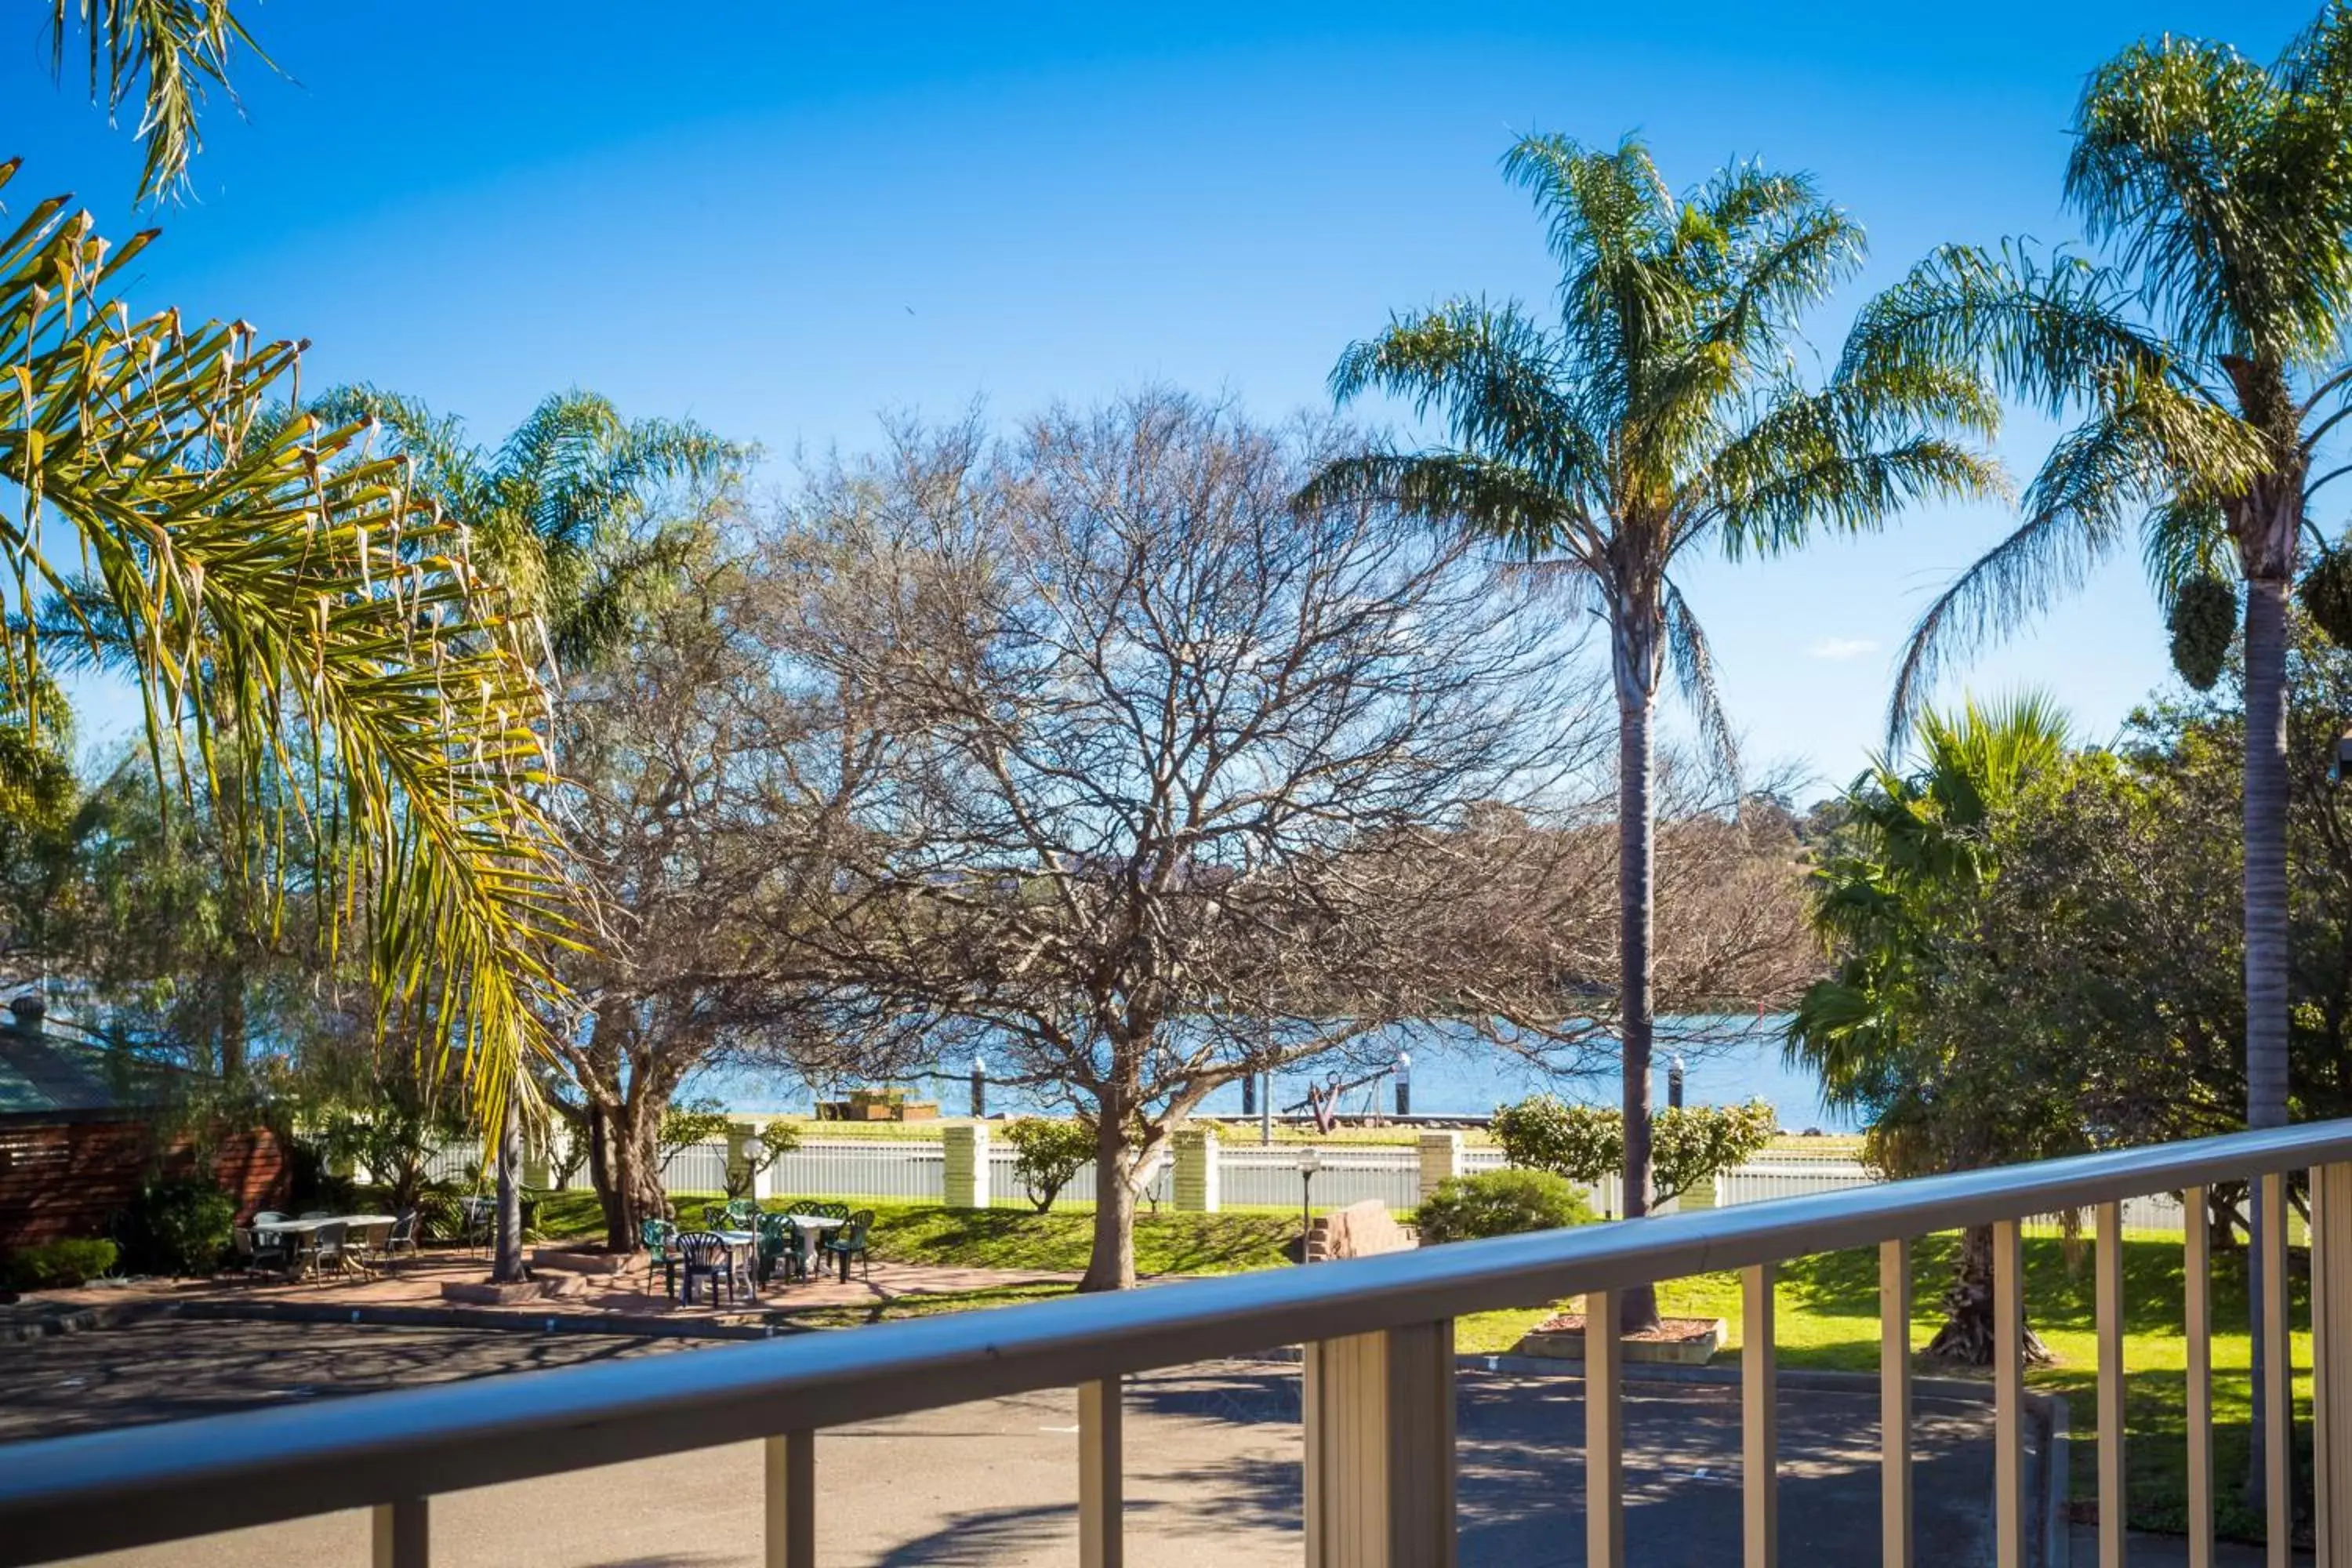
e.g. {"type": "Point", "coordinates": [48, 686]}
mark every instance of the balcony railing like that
{"type": "Point", "coordinates": [1379, 1394]}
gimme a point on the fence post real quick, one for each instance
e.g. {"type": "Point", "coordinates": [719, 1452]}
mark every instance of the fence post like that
{"type": "Point", "coordinates": [1196, 1170]}
{"type": "Point", "coordinates": [963, 1151]}
{"type": "Point", "coordinates": [1379, 1412]}
{"type": "Point", "coordinates": [740, 1136]}
{"type": "Point", "coordinates": [2331, 1361]}
{"type": "Point", "coordinates": [1440, 1160]}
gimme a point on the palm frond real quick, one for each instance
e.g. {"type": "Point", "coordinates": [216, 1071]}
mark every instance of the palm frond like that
{"type": "Point", "coordinates": [1488, 372]}
{"type": "Point", "coordinates": [164, 53]}
{"type": "Point", "coordinates": [269, 579]}
{"type": "Point", "coordinates": [2076, 510]}
{"type": "Point", "coordinates": [1850, 457]}
{"type": "Point", "coordinates": [2226, 187]}
{"type": "Point", "coordinates": [2185, 538]}
{"type": "Point", "coordinates": [1505, 504]}
{"type": "Point", "coordinates": [2045, 333]}
{"type": "Point", "coordinates": [1694, 667]}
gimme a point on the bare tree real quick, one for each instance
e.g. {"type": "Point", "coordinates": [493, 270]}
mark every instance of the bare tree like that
{"type": "Point", "coordinates": [1155, 781]}
{"type": "Point", "coordinates": [682, 826]}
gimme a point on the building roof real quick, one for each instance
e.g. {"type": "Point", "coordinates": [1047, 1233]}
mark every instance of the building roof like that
{"type": "Point", "coordinates": [45, 1075]}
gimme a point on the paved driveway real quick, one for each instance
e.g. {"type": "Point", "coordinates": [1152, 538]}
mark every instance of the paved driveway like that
{"type": "Point", "coordinates": [1212, 1464]}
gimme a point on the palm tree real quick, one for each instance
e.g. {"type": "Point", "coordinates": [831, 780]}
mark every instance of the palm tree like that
{"type": "Point", "coordinates": [2198, 358]}
{"type": "Point", "coordinates": [280, 585]}
{"type": "Point", "coordinates": [577, 513]}
{"type": "Point", "coordinates": [1913, 849]}
{"type": "Point", "coordinates": [570, 514]}
{"type": "Point", "coordinates": [1660, 415]}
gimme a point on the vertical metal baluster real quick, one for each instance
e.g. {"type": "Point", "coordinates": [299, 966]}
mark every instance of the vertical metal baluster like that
{"type": "Point", "coordinates": [2109, 1291]}
{"type": "Point", "coordinates": [2331, 1361]}
{"type": "Point", "coordinates": [1605, 1434]}
{"type": "Point", "coordinates": [401, 1534]}
{"type": "Point", "coordinates": [2197, 1325]}
{"type": "Point", "coordinates": [1102, 1540]}
{"type": "Point", "coordinates": [1895, 1550]}
{"type": "Point", "coordinates": [1760, 1420]}
{"type": "Point", "coordinates": [2008, 1394]}
{"type": "Point", "coordinates": [791, 1501]}
{"type": "Point", "coordinates": [2278, 1380]}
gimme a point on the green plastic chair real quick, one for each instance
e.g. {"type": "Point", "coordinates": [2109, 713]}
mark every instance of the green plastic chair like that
{"type": "Point", "coordinates": [850, 1242]}
{"type": "Point", "coordinates": [780, 1244]}
{"type": "Point", "coordinates": [742, 1214]}
{"type": "Point", "coordinates": [657, 1235]}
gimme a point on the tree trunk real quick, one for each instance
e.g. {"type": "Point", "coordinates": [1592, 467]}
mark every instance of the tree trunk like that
{"type": "Point", "coordinates": [1111, 1265]}
{"type": "Point", "coordinates": [2266, 926]}
{"type": "Point", "coordinates": [1635, 669]}
{"type": "Point", "coordinates": [506, 1262]}
{"type": "Point", "coordinates": [631, 1194]}
{"type": "Point", "coordinates": [1967, 1336]}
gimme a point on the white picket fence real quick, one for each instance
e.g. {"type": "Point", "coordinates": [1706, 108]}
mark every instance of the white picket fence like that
{"type": "Point", "coordinates": [913, 1170]}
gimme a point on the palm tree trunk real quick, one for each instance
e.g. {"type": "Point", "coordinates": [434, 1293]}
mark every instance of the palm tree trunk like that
{"type": "Point", "coordinates": [1635, 661]}
{"type": "Point", "coordinates": [506, 1262]}
{"type": "Point", "coordinates": [2267, 924]}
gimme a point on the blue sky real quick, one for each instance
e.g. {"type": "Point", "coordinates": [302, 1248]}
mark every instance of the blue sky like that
{"type": "Point", "coordinates": [782, 220]}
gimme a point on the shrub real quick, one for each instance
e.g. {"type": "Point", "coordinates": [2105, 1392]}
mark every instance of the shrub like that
{"type": "Point", "coordinates": [1500, 1202]}
{"type": "Point", "coordinates": [1689, 1145]}
{"type": "Point", "coordinates": [1050, 1155]}
{"type": "Point", "coordinates": [57, 1265]}
{"type": "Point", "coordinates": [176, 1227]}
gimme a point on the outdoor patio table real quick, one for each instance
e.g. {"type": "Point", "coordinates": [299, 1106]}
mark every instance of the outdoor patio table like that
{"type": "Point", "coordinates": [302, 1227]}
{"type": "Point", "coordinates": [745, 1245]}
{"type": "Point", "coordinates": [811, 1228]}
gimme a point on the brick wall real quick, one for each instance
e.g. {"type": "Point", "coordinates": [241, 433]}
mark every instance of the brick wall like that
{"type": "Point", "coordinates": [68, 1179]}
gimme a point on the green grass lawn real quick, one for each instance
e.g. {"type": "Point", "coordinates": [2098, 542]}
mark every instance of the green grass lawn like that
{"type": "Point", "coordinates": [1166, 1243]}
{"type": "Point", "coordinates": [1826, 1309]}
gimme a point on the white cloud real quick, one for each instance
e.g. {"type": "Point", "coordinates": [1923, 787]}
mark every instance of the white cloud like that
{"type": "Point", "coordinates": [1843, 647]}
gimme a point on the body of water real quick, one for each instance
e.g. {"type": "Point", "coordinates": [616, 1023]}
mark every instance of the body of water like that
{"type": "Point", "coordinates": [1726, 1061]}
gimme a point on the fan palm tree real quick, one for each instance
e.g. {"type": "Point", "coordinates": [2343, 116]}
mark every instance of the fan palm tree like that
{"type": "Point", "coordinates": [1915, 847]}
{"type": "Point", "coordinates": [2198, 359]}
{"type": "Point", "coordinates": [569, 514]}
{"type": "Point", "coordinates": [1659, 416]}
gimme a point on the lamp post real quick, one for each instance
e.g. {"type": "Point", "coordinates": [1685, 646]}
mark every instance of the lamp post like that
{"type": "Point", "coordinates": [1674, 1083]}
{"type": "Point", "coordinates": [1404, 1083]}
{"type": "Point", "coordinates": [1310, 1160]}
{"type": "Point", "coordinates": [979, 1087]}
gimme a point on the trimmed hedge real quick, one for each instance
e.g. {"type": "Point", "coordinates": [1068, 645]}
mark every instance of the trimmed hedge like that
{"type": "Point", "coordinates": [57, 1265]}
{"type": "Point", "coordinates": [1500, 1202]}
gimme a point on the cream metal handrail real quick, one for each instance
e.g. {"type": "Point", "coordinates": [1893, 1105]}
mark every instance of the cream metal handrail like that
{"type": "Point", "coordinates": [1378, 1400]}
